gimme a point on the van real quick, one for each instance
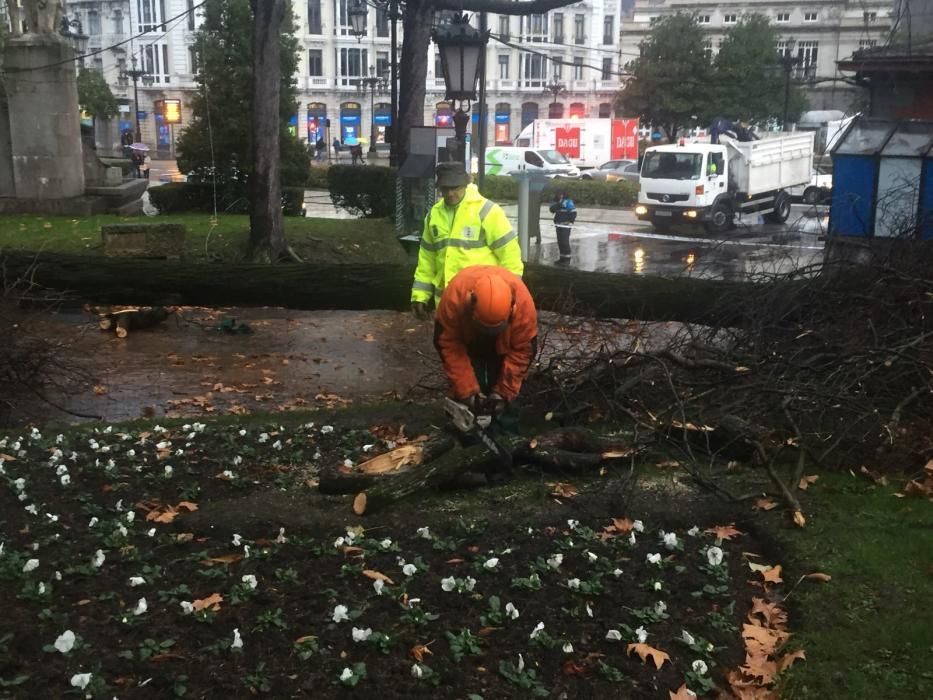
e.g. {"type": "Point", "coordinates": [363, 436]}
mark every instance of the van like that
{"type": "Point", "coordinates": [505, 160]}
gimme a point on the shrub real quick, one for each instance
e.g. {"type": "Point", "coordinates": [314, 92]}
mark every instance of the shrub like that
{"type": "Point", "coordinates": [363, 190]}
{"type": "Point", "coordinates": [583, 192]}
{"type": "Point", "coordinates": [182, 197]}
{"type": "Point", "coordinates": [317, 178]}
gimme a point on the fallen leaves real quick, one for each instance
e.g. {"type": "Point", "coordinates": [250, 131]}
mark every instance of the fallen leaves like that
{"type": "Point", "coordinates": [682, 693]}
{"type": "Point", "coordinates": [377, 576]}
{"type": "Point", "coordinates": [818, 577]}
{"type": "Point", "coordinates": [101, 390]}
{"type": "Point", "coordinates": [419, 651]}
{"type": "Point", "coordinates": [619, 528]}
{"type": "Point", "coordinates": [562, 490]}
{"type": "Point", "coordinates": [772, 575]}
{"type": "Point", "coordinates": [6, 458]}
{"type": "Point", "coordinates": [878, 479]}
{"type": "Point", "coordinates": [921, 488]}
{"type": "Point", "coordinates": [166, 513]}
{"type": "Point", "coordinates": [800, 519]}
{"type": "Point", "coordinates": [359, 503]}
{"type": "Point", "coordinates": [765, 504]}
{"type": "Point", "coordinates": [725, 532]}
{"type": "Point", "coordinates": [211, 603]}
{"type": "Point", "coordinates": [223, 560]}
{"type": "Point", "coordinates": [645, 652]}
{"type": "Point", "coordinates": [806, 481]}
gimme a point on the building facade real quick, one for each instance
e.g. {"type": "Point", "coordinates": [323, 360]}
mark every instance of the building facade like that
{"type": "Point", "coordinates": [575, 48]}
{"type": "Point", "coordinates": [819, 33]}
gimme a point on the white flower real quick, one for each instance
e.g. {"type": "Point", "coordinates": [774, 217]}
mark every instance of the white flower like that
{"type": "Point", "coordinates": [589, 610]}
{"type": "Point", "coordinates": [130, 516]}
{"type": "Point", "coordinates": [65, 479]}
{"type": "Point", "coordinates": [163, 445]}
{"type": "Point", "coordinates": [237, 540]}
{"type": "Point", "coordinates": [654, 559]}
{"type": "Point", "coordinates": [40, 589]}
{"type": "Point", "coordinates": [80, 680]}
{"type": "Point", "coordinates": [521, 663]}
{"type": "Point", "coordinates": [641, 634]}
{"type": "Point", "coordinates": [638, 526]}
{"type": "Point", "coordinates": [65, 642]}
{"type": "Point", "coordinates": [378, 585]}
{"type": "Point", "coordinates": [617, 572]}
{"type": "Point", "coordinates": [631, 538]}
{"type": "Point", "coordinates": [416, 671]}
{"type": "Point", "coordinates": [555, 560]}
{"type": "Point", "coordinates": [469, 583]}
{"type": "Point", "coordinates": [141, 607]}
{"type": "Point", "coordinates": [567, 648]}
{"type": "Point", "coordinates": [237, 461]}
{"type": "Point", "coordinates": [263, 437]}
{"type": "Point", "coordinates": [409, 569]}
{"type": "Point", "coordinates": [339, 542]}
{"type": "Point", "coordinates": [131, 453]}
{"type": "Point", "coordinates": [660, 608]}
{"type": "Point", "coordinates": [346, 674]}
{"type": "Point", "coordinates": [361, 635]}
{"type": "Point", "coordinates": [246, 551]}
{"type": "Point", "coordinates": [98, 559]}
{"type": "Point", "coordinates": [242, 432]}
{"type": "Point", "coordinates": [424, 533]}
{"type": "Point", "coordinates": [448, 584]}
{"type": "Point", "coordinates": [614, 636]}
{"type": "Point", "coordinates": [30, 565]}
{"type": "Point", "coordinates": [511, 611]}
{"type": "Point", "coordinates": [699, 667]}
{"type": "Point", "coordinates": [687, 637]}
{"type": "Point", "coordinates": [186, 607]}
{"type": "Point", "coordinates": [227, 474]}
{"type": "Point", "coordinates": [137, 581]}
{"type": "Point", "coordinates": [573, 583]}
{"type": "Point", "coordinates": [693, 531]}
{"type": "Point", "coordinates": [340, 613]}
{"type": "Point", "coordinates": [250, 581]}
{"type": "Point", "coordinates": [670, 540]}
{"type": "Point", "coordinates": [539, 628]}
{"type": "Point", "coordinates": [591, 556]}
{"type": "Point", "coordinates": [714, 556]}
{"type": "Point", "coordinates": [237, 642]}
{"type": "Point", "coordinates": [386, 543]}
{"type": "Point", "coordinates": [491, 563]}
{"type": "Point", "coordinates": [119, 506]}
{"type": "Point", "coordinates": [367, 448]}
{"type": "Point", "coordinates": [169, 471]}
{"type": "Point", "coordinates": [281, 538]}
{"type": "Point", "coordinates": [572, 524]}
{"type": "Point", "coordinates": [19, 484]}
{"type": "Point", "coordinates": [151, 532]}
{"type": "Point", "coordinates": [348, 463]}
{"type": "Point", "coordinates": [325, 429]}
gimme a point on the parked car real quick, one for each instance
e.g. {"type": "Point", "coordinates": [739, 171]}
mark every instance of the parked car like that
{"type": "Point", "coordinates": [628, 173]}
{"type": "Point", "coordinates": [511, 159]}
{"type": "Point", "coordinates": [819, 190]}
{"type": "Point", "coordinates": [602, 172]}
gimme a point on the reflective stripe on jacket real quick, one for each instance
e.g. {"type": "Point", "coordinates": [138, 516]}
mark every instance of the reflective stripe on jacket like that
{"type": "Point", "coordinates": [477, 233]}
{"type": "Point", "coordinates": [454, 333]}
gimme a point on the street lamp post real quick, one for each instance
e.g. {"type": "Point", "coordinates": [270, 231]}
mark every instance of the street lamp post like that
{"type": "Point", "coordinates": [135, 74]}
{"type": "Point", "coordinates": [357, 14]}
{"type": "Point", "coordinates": [787, 61]}
{"type": "Point", "coordinates": [554, 87]}
{"type": "Point", "coordinates": [372, 82]}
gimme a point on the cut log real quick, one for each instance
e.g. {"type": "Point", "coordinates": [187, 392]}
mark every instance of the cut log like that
{"type": "Point", "coordinates": [356, 286]}
{"type": "Point", "coordinates": [126, 320]}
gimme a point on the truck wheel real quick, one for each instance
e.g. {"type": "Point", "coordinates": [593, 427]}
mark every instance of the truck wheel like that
{"type": "Point", "coordinates": [812, 195]}
{"type": "Point", "coordinates": [720, 218]}
{"type": "Point", "coordinates": [781, 209]}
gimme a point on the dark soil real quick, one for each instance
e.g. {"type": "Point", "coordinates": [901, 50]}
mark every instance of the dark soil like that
{"type": "Point", "coordinates": [305, 574]}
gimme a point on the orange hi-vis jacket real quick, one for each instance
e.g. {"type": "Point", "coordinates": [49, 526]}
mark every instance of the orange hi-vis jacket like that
{"type": "Point", "coordinates": [455, 332]}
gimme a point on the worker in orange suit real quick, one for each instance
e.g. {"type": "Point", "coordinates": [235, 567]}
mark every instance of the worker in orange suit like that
{"type": "Point", "coordinates": [486, 332]}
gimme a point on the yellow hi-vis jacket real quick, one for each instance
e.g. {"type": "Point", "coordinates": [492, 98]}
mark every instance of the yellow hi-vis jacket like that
{"type": "Point", "coordinates": [476, 233]}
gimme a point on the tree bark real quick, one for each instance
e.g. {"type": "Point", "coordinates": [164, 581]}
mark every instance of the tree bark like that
{"type": "Point", "coordinates": [364, 286]}
{"type": "Point", "coordinates": [267, 230]}
{"type": "Point", "coordinates": [413, 70]}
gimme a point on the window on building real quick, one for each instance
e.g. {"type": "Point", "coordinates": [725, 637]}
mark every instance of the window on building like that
{"type": "Point", "coordinates": [605, 110]}
{"type": "Point", "coordinates": [537, 27]}
{"type": "Point", "coordinates": [867, 44]}
{"type": "Point", "coordinates": [503, 67]}
{"type": "Point", "coordinates": [703, 19]}
{"type": "Point", "coordinates": [93, 23]}
{"type": "Point", "coordinates": [578, 67]}
{"type": "Point", "coordinates": [118, 22]}
{"type": "Point", "coordinates": [708, 48]}
{"type": "Point", "coordinates": [315, 62]}
{"type": "Point", "coordinates": [382, 21]}
{"type": "Point", "coordinates": [782, 49]}
{"type": "Point", "coordinates": [609, 29]}
{"type": "Point", "coordinates": [314, 16]}
{"type": "Point", "coordinates": [155, 61]}
{"type": "Point", "coordinates": [810, 16]}
{"type": "Point", "coordinates": [557, 27]}
{"type": "Point", "coordinates": [343, 17]}
{"type": "Point", "coordinates": [353, 64]}
{"type": "Point", "coordinates": [190, 19]}
{"type": "Point", "coordinates": [438, 69]}
{"type": "Point", "coordinates": [579, 29]}
{"type": "Point", "coordinates": [730, 19]}
{"type": "Point", "coordinates": [782, 17]}
{"type": "Point", "coordinates": [869, 17]}
{"type": "Point", "coordinates": [607, 69]}
{"type": "Point", "coordinates": [807, 52]}
{"type": "Point", "coordinates": [535, 70]}
{"type": "Point", "coordinates": [150, 15]}
{"type": "Point", "coordinates": [193, 60]}
{"type": "Point", "coordinates": [98, 64]}
{"type": "Point", "coordinates": [504, 27]}
{"type": "Point", "coordinates": [557, 64]}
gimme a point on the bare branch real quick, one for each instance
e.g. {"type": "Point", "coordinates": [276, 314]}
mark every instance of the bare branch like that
{"type": "Point", "coordinates": [502, 7]}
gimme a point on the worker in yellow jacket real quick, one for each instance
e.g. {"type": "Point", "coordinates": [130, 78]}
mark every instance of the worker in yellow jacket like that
{"type": "Point", "coordinates": [462, 229]}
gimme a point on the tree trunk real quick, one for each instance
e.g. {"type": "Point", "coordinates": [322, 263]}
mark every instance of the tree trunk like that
{"type": "Point", "coordinates": [413, 70]}
{"type": "Point", "coordinates": [267, 230]}
{"type": "Point", "coordinates": [364, 286]}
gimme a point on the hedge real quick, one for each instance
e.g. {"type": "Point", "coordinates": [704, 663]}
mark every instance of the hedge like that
{"type": "Point", "coordinates": [181, 197]}
{"type": "Point", "coordinates": [317, 178]}
{"type": "Point", "coordinates": [583, 192]}
{"type": "Point", "coordinates": [363, 190]}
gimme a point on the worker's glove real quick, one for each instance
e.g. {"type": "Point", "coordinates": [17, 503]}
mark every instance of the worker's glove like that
{"type": "Point", "coordinates": [420, 310]}
{"type": "Point", "coordinates": [495, 404]}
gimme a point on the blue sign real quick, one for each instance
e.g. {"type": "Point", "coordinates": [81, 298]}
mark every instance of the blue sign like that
{"type": "Point", "coordinates": [140, 114]}
{"type": "Point", "coordinates": [383, 119]}
{"type": "Point", "coordinates": [656, 136]}
{"type": "Point", "coordinates": [502, 117]}
{"type": "Point", "coordinates": [350, 118]}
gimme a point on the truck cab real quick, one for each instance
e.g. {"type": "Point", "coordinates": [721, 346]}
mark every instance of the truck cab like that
{"type": "Point", "coordinates": [680, 183]}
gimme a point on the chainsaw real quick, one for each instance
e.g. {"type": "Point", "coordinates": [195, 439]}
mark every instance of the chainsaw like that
{"type": "Point", "coordinates": [470, 424]}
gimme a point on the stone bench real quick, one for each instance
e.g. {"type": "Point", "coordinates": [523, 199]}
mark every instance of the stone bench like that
{"type": "Point", "coordinates": [149, 240]}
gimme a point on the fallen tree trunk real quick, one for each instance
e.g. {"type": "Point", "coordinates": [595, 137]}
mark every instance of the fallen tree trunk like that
{"type": "Point", "coordinates": [355, 286]}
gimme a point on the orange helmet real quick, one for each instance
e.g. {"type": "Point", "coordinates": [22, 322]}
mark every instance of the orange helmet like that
{"type": "Point", "coordinates": [492, 300]}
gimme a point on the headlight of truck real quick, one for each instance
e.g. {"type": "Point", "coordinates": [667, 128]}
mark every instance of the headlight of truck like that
{"type": "Point", "coordinates": [641, 210]}
{"type": "Point", "coordinates": [690, 214]}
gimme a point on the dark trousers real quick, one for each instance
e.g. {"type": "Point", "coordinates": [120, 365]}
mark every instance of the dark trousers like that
{"type": "Point", "coordinates": [563, 240]}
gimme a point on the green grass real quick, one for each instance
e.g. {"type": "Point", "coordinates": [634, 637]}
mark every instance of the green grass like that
{"type": "Point", "coordinates": [317, 240]}
{"type": "Point", "coordinates": [869, 632]}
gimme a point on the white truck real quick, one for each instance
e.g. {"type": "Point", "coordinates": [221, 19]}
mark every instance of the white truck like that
{"type": "Point", "coordinates": [703, 183]}
{"type": "Point", "coordinates": [587, 143]}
